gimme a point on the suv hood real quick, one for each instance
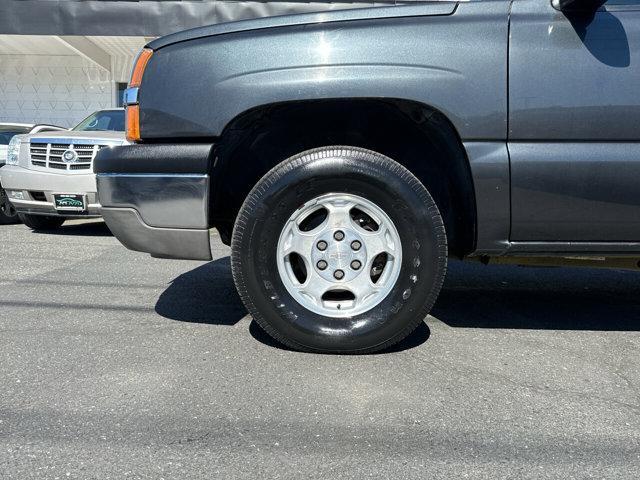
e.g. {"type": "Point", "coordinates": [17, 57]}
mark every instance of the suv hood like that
{"type": "Point", "coordinates": [441, 7]}
{"type": "Point", "coordinates": [108, 136]}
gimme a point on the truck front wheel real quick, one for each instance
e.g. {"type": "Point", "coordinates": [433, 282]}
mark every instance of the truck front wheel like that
{"type": "Point", "coordinates": [339, 249]}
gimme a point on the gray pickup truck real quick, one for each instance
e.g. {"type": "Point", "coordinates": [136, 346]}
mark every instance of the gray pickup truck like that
{"type": "Point", "coordinates": [346, 155]}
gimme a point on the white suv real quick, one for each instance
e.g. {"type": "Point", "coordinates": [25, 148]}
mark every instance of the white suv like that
{"type": "Point", "coordinates": [7, 132]}
{"type": "Point", "coordinates": [48, 177]}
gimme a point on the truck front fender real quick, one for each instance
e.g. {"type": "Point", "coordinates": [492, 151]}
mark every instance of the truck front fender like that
{"type": "Point", "coordinates": [453, 63]}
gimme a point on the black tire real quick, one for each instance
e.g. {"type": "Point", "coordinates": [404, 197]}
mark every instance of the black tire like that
{"type": "Point", "coordinates": [41, 222]}
{"type": "Point", "coordinates": [8, 213]}
{"type": "Point", "coordinates": [346, 170]}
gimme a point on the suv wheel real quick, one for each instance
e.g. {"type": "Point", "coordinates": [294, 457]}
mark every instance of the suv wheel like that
{"type": "Point", "coordinates": [339, 249]}
{"type": "Point", "coordinates": [7, 210]}
{"type": "Point", "coordinates": [41, 222]}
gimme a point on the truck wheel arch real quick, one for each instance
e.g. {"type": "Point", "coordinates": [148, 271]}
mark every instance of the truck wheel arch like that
{"type": "Point", "coordinates": [419, 136]}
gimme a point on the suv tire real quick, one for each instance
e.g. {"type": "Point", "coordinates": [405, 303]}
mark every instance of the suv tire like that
{"type": "Point", "coordinates": [41, 222]}
{"type": "Point", "coordinates": [7, 211]}
{"type": "Point", "coordinates": [397, 209]}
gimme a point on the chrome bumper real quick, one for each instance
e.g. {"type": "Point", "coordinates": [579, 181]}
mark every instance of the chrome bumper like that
{"type": "Point", "coordinates": [185, 243]}
{"type": "Point", "coordinates": [161, 214]}
{"type": "Point", "coordinates": [155, 197]}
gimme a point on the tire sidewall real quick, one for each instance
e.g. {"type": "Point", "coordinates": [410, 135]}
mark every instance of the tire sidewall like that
{"type": "Point", "coordinates": [4, 218]}
{"type": "Point", "coordinates": [41, 222]}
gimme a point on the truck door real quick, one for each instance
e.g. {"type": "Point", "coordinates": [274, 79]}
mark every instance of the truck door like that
{"type": "Point", "coordinates": [574, 122]}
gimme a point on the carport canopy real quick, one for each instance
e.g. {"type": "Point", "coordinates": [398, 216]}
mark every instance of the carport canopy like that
{"type": "Point", "coordinates": [146, 18]}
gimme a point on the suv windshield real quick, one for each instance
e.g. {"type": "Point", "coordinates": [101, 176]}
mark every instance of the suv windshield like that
{"type": "Point", "coordinates": [101, 121]}
{"type": "Point", "coordinates": [7, 135]}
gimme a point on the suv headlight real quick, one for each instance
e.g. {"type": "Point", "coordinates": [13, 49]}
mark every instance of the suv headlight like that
{"type": "Point", "coordinates": [13, 150]}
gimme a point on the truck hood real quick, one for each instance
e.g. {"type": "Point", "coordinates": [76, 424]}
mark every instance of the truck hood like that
{"type": "Point", "coordinates": [107, 136]}
{"type": "Point", "coordinates": [438, 7]}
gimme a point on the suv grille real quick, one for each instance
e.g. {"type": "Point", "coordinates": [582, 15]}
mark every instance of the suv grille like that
{"type": "Point", "coordinates": [50, 155]}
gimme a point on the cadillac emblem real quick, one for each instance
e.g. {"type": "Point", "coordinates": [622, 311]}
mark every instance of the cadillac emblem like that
{"type": "Point", "coordinates": [69, 156]}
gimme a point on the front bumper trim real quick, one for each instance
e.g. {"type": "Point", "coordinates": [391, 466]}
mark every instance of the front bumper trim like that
{"type": "Point", "coordinates": [155, 198]}
{"type": "Point", "coordinates": [33, 207]}
{"type": "Point", "coordinates": [184, 243]}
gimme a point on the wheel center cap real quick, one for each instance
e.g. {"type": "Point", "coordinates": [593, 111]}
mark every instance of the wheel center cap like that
{"type": "Point", "coordinates": [339, 260]}
{"type": "Point", "coordinates": [338, 256]}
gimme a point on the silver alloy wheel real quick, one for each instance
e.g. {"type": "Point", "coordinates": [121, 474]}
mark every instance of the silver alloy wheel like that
{"type": "Point", "coordinates": [345, 265]}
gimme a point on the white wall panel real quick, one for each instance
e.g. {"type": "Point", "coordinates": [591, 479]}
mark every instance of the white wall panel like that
{"type": "Point", "coordinates": [52, 89]}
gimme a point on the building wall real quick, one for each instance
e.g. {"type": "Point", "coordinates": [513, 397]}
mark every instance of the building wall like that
{"type": "Point", "coordinates": [61, 90]}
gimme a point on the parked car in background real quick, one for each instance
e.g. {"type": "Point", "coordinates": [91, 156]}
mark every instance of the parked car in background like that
{"type": "Point", "coordinates": [7, 132]}
{"type": "Point", "coordinates": [48, 176]}
{"type": "Point", "coordinates": [345, 155]}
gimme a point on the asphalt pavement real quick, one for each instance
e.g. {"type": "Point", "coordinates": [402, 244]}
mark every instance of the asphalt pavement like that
{"type": "Point", "coordinates": [117, 365]}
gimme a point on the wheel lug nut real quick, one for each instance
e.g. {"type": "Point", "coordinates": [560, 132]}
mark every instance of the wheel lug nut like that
{"type": "Point", "coordinates": [322, 264]}
{"type": "Point", "coordinates": [339, 235]}
{"type": "Point", "coordinates": [322, 245]}
{"type": "Point", "coordinates": [356, 245]}
{"type": "Point", "coordinates": [356, 264]}
{"type": "Point", "coordinates": [338, 274]}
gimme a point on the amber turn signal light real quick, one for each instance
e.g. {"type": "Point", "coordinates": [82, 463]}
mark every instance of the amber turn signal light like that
{"type": "Point", "coordinates": [141, 64]}
{"type": "Point", "coordinates": [133, 123]}
{"type": "Point", "coordinates": [133, 110]}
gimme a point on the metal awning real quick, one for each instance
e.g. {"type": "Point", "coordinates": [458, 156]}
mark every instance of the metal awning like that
{"type": "Point", "coordinates": [144, 18]}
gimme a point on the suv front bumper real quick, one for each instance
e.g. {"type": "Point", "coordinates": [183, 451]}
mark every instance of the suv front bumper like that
{"type": "Point", "coordinates": [31, 191]}
{"type": "Point", "coordinates": [155, 198]}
